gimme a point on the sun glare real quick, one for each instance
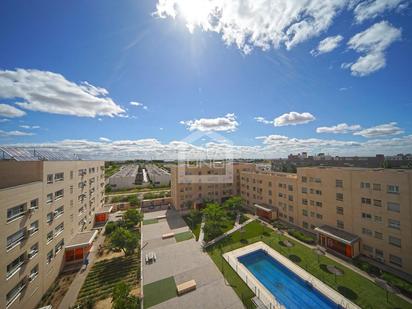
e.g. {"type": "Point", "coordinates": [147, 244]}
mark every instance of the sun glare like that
{"type": "Point", "coordinates": [194, 12]}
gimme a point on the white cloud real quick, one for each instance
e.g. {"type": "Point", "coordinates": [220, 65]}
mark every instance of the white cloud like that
{"type": "Point", "coordinates": [327, 45]}
{"type": "Point", "coordinates": [372, 8]}
{"type": "Point", "coordinates": [10, 111]}
{"type": "Point", "coordinates": [372, 43]}
{"type": "Point", "coordinates": [4, 120]}
{"type": "Point", "coordinates": [138, 104]}
{"type": "Point", "coordinates": [251, 23]}
{"type": "Point", "coordinates": [52, 93]}
{"type": "Point", "coordinates": [24, 126]}
{"type": "Point", "coordinates": [340, 128]}
{"type": "Point", "coordinates": [386, 129]}
{"type": "Point", "coordinates": [227, 123]}
{"type": "Point", "coordinates": [263, 120]}
{"type": "Point", "coordinates": [104, 139]}
{"type": "Point", "coordinates": [293, 118]}
{"type": "Point", "coordinates": [14, 133]}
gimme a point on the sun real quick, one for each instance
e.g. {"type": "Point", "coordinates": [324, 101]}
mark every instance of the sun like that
{"type": "Point", "coordinates": [194, 12]}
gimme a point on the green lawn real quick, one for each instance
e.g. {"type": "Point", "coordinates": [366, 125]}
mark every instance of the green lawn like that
{"type": "Point", "coordinates": [159, 291]}
{"type": "Point", "coordinates": [150, 221]}
{"type": "Point", "coordinates": [106, 274]}
{"type": "Point", "coordinates": [183, 236]}
{"type": "Point", "coordinates": [355, 287]}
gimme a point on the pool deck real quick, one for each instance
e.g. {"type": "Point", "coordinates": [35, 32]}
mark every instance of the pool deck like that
{"type": "Point", "coordinates": [260, 290]}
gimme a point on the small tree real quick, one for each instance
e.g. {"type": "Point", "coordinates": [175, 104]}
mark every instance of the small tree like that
{"type": "Point", "coordinates": [194, 217]}
{"type": "Point", "coordinates": [233, 204]}
{"type": "Point", "coordinates": [214, 215]}
{"type": "Point", "coordinates": [110, 227]}
{"type": "Point", "coordinates": [132, 217]}
{"type": "Point", "coordinates": [121, 298]}
{"type": "Point", "coordinates": [124, 240]}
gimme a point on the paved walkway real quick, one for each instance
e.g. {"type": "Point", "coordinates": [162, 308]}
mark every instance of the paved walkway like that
{"type": "Point", "coordinates": [184, 261]}
{"type": "Point", "coordinates": [201, 233]}
{"type": "Point", "coordinates": [70, 297]}
{"type": "Point", "coordinates": [234, 229]}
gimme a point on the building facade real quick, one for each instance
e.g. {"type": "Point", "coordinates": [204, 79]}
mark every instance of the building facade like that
{"type": "Point", "coordinates": [351, 210]}
{"type": "Point", "coordinates": [45, 208]}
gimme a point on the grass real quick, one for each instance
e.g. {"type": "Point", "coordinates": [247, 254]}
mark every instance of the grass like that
{"type": "Point", "coordinates": [104, 275]}
{"type": "Point", "coordinates": [360, 290]}
{"type": "Point", "coordinates": [404, 286]}
{"type": "Point", "coordinates": [136, 190]}
{"type": "Point", "coordinates": [159, 291]}
{"type": "Point", "coordinates": [111, 169]}
{"type": "Point", "coordinates": [183, 236]}
{"type": "Point", "coordinates": [150, 221]}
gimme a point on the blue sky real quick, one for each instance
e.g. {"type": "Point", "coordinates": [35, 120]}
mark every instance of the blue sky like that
{"type": "Point", "coordinates": [190, 68]}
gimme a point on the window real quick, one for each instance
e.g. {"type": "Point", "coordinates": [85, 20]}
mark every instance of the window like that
{"type": "Point", "coordinates": [395, 241]}
{"type": "Point", "coordinates": [49, 198]}
{"type": "Point", "coordinates": [290, 208]}
{"type": "Point", "coordinates": [304, 190]}
{"type": "Point", "coordinates": [59, 211]}
{"type": "Point", "coordinates": [34, 273]}
{"type": "Point", "coordinates": [304, 179]}
{"type": "Point", "coordinates": [340, 224]}
{"type": "Point", "coordinates": [378, 235]}
{"type": "Point", "coordinates": [395, 207]}
{"type": "Point", "coordinates": [393, 189]}
{"type": "Point", "coordinates": [15, 265]}
{"type": "Point", "coordinates": [304, 201]}
{"type": "Point", "coordinates": [304, 212]}
{"type": "Point", "coordinates": [49, 256]}
{"type": "Point", "coordinates": [394, 224]}
{"type": "Point", "coordinates": [59, 229]}
{"type": "Point", "coordinates": [378, 253]}
{"type": "Point", "coordinates": [16, 238]}
{"type": "Point", "coordinates": [33, 251]}
{"type": "Point", "coordinates": [305, 224]}
{"type": "Point", "coordinates": [366, 216]}
{"type": "Point", "coordinates": [318, 180]}
{"type": "Point", "coordinates": [366, 231]}
{"type": "Point", "coordinates": [49, 217]}
{"type": "Point", "coordinates": [71, 174]}
{"type": "Point", "coordinates": [71, 189]}
{"type": "Point", "coordinates": [395, 260]}
{"type": "Point", "coordinates": [319, 204]}
{"type": "Point", "coordinates": [365, 185]}
{"type": "Point", "coordinates": [319, 216]}
{"type": "Point", "coordinates": [377, 219]}
{"type": "Point", "coordinates": [58, 194]}
{"type": "Point", "coordinates": [34, 227]}
{"type": "Point", "coordinates": [312, 213]}
{"type": "Point", "coordinates": [16, 212]}
{"type": "Point", "coordinates": [59, 177]}
{"type": "Point", "coordinates": [318, 192]}
{"type": "Point", "coordinates": [339, 210]}
{"type": "Point", "coordinates": [270, 183]}
{"type": "Point", "coordinates": [367, 248]}
{"type": "Point", "coordinates": [290, 188]}
{"type": "Point", "coordinates": [365, 200]}
{"type": "Point", "coordinates": [339, 183]}
{"type": "Point", "coordinates": [376, 187]}
{"type": "Point", "coordinates": [50, 178]}
{"type": "Point", "coordinates": [339, 196]}
{"type": "Point", "coordinates": [377, 203]}
{"type": "Point", "coordinates": [49, 236]}
{"type": "Point", "coordinates": [59, 246]}
{"type": "Point", "coordinates": [34, 204]}
{"type": "Point", "coordinates": [290, 198]}
{"type": "Point", "coordinates": [15, 292]}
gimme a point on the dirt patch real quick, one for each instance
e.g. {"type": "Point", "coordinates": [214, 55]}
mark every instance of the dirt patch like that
{"type": "Point", "coordinates": [56, 292]}
{"type": "Point", "coordinates": [103, 304]}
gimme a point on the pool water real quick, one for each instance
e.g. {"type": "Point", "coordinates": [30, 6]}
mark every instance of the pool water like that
{"type": "Point", "coordinates": [288, 288]}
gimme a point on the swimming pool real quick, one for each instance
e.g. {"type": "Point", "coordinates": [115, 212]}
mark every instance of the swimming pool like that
{"type": "Point", "coordinates": [288, 288]}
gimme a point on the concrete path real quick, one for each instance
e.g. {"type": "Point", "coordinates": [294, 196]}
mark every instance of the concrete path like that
{"type": "Point", "coordinates": [202, 234]}
{"type": "Point", "coordinates": [138, 192]}
{"type": "Point", "coordinates": [237, 219]}
{"type": "Point", "coordinates": [184, 261]}
{"type": "Point", "coordinates": [70, 297]}
{"type": "Point", "coordinates": [234, 229]}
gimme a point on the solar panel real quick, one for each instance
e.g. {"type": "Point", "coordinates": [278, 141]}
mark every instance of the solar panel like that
{"type": "Point", "coordinates": [25, 154]}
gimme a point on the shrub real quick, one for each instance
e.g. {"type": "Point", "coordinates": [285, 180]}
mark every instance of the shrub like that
{"type": "Point", "coordinates": [301, 236]}
{"type": "Point", "coordinates": [404, 286]}
{"type": "Point", "coordinates": [110, 227]}
{"type": "Point", "coordinates": [367, 267]}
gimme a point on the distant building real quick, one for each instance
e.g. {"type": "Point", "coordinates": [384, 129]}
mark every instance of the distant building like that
{"type": "Point", "coordinates": [126, 178]}
{"type": "Point", "coordinates": [158, 176]}
{"type": "Point", "coordinates": [48, 204]}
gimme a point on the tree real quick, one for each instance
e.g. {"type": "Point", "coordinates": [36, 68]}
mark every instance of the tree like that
{"type": "Point", "coordinates": [121, 298]}
{"type": "Point", "coordinates": [124, 240]}
{"type": "Point", "coordinates": [194, 217]}
{"type": "Point", "coordinates": [214, 215]}
{"type": "Point", "coordinates": [132, 217]}
{"type": "Point", "coordinates": [233, 204]}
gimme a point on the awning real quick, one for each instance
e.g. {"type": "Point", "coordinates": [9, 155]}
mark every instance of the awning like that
{"type": "Point", "coordinates": [337, 234]}
{"type": "Point", "coordinates": [263, 208]}
{"type": "Point", "coordinates": [104, 209]}
{"type": "Point", "coordinates": [82, 239]}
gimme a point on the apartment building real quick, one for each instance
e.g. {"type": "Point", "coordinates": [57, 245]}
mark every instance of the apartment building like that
{"type": "Point", "coordinates": [158, 176]}
{"type": "Point", "coordinates": [193, 185]}
{"type": "Point", "coordinates": [47, 206]}
{"type": "Point", "coordinates": [351, 210]}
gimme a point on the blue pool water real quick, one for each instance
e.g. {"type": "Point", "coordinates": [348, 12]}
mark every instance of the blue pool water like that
{"type": "Point", "coordinates": [288, 288]}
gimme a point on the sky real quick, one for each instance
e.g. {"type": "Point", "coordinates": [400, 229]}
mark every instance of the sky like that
{"type": "Point", "coordinates": [157, 79]}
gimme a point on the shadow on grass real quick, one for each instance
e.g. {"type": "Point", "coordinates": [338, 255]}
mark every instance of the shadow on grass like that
{"type": "Point", "coordinates": [347, 292]}
{"type": "Point", "coordinates": [295, 258]}
{"type": "Point", "coordinates": [244, 241]}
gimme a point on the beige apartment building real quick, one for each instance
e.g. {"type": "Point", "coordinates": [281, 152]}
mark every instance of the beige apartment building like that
{"type": "Point", "coordinates": [47, 207]}
{"type": "Point", "coordinates": [351, 210]}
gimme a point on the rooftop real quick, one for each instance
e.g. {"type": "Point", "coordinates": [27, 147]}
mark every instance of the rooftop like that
{"type": "Point", "coordinates": [82, 239]}
{"type": "Point", "coordinates": [337, 234]}
{"type": "Point", "coordinates": [27, 154]}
